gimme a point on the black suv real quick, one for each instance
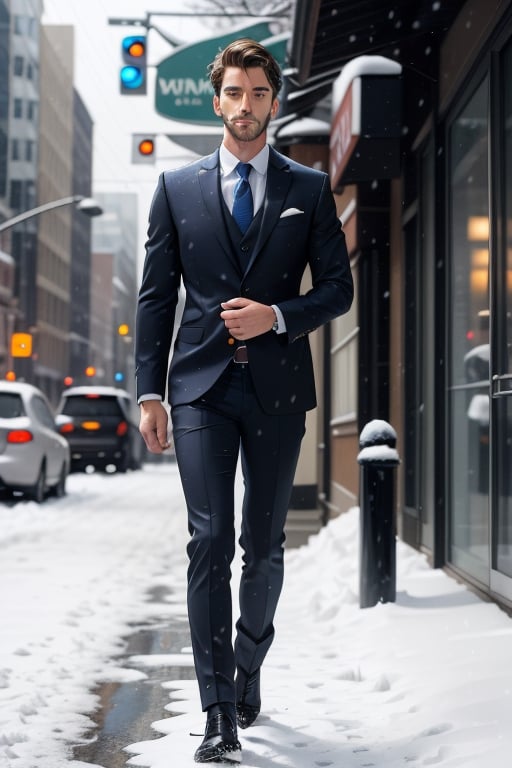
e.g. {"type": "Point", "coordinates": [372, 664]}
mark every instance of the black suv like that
{"type": "Point", "coordinates": [103, 433]}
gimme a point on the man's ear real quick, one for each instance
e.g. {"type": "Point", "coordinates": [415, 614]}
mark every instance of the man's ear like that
{"type": "Point", "coordinates": [274, 108]}
{"type": "Point", "coordinates": [216, 106]}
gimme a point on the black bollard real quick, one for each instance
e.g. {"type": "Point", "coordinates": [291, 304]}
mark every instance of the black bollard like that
{"type": "Point", "coordinates": [377, 546]}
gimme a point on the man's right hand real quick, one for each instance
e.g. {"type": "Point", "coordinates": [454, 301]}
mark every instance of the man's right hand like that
{"type": "Point", "coordinates": [153, 425]}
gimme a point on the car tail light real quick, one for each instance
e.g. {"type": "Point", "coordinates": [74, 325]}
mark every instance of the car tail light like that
{"type": "Point", "coordinates": [19, 436]}
{"type": "Point", "coordinates": [122, 429]}
{"type": "Point", "coordinates": [91, 426]}
{"type": "Point", "coordinates": [66, 428]}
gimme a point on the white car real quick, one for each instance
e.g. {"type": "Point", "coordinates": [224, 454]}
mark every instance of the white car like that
{"type": "Point", "coordinates": [34, 457]}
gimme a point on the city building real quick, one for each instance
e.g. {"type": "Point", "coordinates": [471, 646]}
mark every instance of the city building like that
{"type": "Point", "coordinates": [19, 139]}
{"type": "Point", "coordinates": [115, 235]}
{"type": "Point", "coordinates": [418, 146]}
{"type": "Point", "coordinates": [80, 275]}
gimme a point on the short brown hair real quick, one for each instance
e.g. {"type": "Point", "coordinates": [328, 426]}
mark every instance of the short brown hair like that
{"type": "Point", "coordinates": [245, 53]}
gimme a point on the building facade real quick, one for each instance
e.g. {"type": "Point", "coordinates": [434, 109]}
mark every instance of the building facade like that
{"type": "Point", "coordinates": [419, 149]}
{"type": "Point", "coordinates": [20, 149]}
{"type": "Point", "coordinates": [81, 241]}
{"type": "Point", "coordinates": [115, 236]}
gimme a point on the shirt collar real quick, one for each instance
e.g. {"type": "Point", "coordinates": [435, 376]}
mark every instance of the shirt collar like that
{"type": "Point", "coordinates": [228, 161]}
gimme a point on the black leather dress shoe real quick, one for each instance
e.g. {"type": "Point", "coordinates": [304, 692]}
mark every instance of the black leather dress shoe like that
{"type": "Point", "coordinates": [248, 698]}
{"type": "Point", "coordinates": [220, 743]}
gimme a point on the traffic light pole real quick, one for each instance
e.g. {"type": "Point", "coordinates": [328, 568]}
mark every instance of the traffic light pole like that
{"type": "Point", "coordinates": [280, 13]}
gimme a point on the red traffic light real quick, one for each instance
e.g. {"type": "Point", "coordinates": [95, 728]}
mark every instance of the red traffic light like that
{"type": "Point", "coordinates": [143, 147]}
{"type": "Point", "coordinates": [136, 48]}
{"type": "Point", "coordinates": [146, 147]}
{"type": "Point", "coordinates": [133, 47]}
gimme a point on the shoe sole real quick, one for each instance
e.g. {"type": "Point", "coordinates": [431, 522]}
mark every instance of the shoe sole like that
{"type": "Point", "coordinates": [220, 754]}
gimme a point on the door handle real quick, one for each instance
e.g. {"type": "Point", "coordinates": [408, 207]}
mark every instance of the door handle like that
{"type": "Point", "coordinates": [502, 385]}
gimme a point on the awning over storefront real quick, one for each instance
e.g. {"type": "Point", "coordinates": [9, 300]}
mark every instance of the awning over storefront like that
{"type": "Point", "coordinates": [366, 123]}
{"type": "Point", "coordinates": [327, 34]}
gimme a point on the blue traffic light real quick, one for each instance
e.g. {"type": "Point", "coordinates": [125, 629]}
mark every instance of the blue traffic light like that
{"type": "Point", "coordinates": [132, 76]}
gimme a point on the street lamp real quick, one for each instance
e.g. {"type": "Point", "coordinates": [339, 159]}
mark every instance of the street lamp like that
{"type": "Point", "coordinates": [86, 205]}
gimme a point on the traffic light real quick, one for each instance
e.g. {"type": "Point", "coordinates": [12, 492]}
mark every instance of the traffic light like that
{"type": "Point", "coordinates": [133, 75]}
{"type": "Point", "coordinates": [144, 148]}
{"type": "Point", "coordinates": [21, 345]}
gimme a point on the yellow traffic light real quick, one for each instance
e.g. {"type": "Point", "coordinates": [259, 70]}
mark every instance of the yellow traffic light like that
{"type": "Point", "coordinates": [90, 370]}
{"type": "Point", "coordinates": [21, 345]}
{"type": "Point", "coordinates": [123, 329]}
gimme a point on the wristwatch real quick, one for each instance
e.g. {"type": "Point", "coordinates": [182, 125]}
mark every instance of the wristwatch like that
{"type": "Point", "coordinates": [275, 327]}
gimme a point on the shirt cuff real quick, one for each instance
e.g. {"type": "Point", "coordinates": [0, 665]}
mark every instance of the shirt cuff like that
{"type": "Point", "coordinates": [149, 396]}
{"type": "Point", "coordinates": [281, 324]}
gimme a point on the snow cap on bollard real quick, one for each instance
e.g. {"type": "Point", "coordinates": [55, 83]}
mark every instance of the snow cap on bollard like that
{"type": "Point", "coordinates": [377, 442]}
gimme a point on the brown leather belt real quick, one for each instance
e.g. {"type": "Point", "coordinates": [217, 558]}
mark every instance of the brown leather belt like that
{"type": "Point", "coordinates": [240, 355]}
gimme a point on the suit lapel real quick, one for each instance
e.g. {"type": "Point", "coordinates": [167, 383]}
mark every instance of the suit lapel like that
{"type": "Point", "coordinates": [210, 190]}
{"type": "Point", "coordinates": [278, 183]}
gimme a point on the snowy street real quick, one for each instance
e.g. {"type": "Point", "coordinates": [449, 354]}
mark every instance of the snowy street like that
{"type": "Point", "coordinates": [423, 681]}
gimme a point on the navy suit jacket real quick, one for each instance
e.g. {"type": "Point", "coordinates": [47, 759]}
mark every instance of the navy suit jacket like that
{"type": "Point", "coordinates": [188, 242]}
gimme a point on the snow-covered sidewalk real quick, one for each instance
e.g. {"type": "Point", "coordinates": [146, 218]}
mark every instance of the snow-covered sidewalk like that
{"type": "Point", "coordinates": [423, 681]}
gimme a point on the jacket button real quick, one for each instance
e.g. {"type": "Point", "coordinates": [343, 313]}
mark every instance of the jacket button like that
{"type": "Point", "coordinates": [245, 248]}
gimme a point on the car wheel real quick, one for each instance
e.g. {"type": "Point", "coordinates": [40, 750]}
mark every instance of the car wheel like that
{"type": "Point", "coordinates": [59, 490]}
{"type": "Point", "coordinates": [39, 489]}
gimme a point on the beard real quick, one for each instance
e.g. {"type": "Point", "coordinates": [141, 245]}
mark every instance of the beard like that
{"type": "Point", "coordinates": [248, 133]}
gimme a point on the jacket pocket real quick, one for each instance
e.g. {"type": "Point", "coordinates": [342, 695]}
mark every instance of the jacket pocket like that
{"type": "Point", "coordinates": [190, 335]}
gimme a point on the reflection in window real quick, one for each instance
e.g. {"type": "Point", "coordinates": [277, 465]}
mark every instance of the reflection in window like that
{"type": "Point", "coordinates": [503, 405]}
{"type": "Point", "coordinates": [468, 313]}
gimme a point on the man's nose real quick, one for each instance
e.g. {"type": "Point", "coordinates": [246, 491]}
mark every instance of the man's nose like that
{"type": "Point", "coordinates": [246, 103]}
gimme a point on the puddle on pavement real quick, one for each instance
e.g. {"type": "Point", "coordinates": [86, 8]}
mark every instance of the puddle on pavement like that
{"type": "Point", "coordinates": [126, 710]}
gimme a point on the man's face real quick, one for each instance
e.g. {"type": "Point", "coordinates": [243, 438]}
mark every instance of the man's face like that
{"type": "Point", "coordinates": [245, 103]}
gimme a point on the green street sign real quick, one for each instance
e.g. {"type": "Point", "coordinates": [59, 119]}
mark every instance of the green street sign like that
{"type": "Point", "coordinates": [183, 91]}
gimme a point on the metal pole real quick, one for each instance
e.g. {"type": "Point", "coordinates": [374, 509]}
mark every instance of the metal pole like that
{"type": "Point", "coordinates": [378, 459]}
{"type": "Point", "coordinates": [40, 209]}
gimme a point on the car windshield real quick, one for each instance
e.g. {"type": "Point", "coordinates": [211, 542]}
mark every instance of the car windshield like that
{"type": "Point", "coordinates": [92, 405]}
{"type": "Point", "coordinates": [11, 406]}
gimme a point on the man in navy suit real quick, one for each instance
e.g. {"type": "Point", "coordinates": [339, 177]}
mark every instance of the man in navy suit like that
{"type": "Point", "coordinates": [237, 229]}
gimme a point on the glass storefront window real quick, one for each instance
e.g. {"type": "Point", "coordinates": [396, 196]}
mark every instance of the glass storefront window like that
{"type": "Point", "coordinates": [503, 403]}
{"type": "Point", "coordinates": [468, 315]}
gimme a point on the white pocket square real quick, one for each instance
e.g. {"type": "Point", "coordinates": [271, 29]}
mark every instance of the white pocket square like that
{"type": "Point", "coordinates": [290, 212]}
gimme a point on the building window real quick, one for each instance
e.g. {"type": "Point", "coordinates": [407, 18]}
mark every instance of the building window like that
{"type": "Point", "coordinates": [32, 110]}
{"type": "Point", "coordinates": [18, 108]}
{"type": "Point", "coordinates": [15, 196]}
{"type": "Point", "coordinates": [18, 65]}
{"type": "Point", "coordinates": [15, 149]}
{"type": "Point", "coordinates": [502, 456]}
{"type": "Point", "coordinates": [468, 315]}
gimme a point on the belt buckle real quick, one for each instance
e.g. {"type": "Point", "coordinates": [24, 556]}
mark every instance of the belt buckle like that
{"type": "Point", "coordinates": [240, 357]}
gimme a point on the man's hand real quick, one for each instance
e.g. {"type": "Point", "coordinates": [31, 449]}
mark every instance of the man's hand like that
{"type": "Point", "coordinates": [246, 319]}
{"type": "Point", "coordinates": [153, 425]}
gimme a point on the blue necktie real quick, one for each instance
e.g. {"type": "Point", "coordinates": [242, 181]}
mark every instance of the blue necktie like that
{"type": "Point", "coordinates": [242, 197]}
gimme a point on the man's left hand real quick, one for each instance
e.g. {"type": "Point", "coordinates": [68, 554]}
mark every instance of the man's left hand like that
{"type": "Point", "coordinates": [246, 319]}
